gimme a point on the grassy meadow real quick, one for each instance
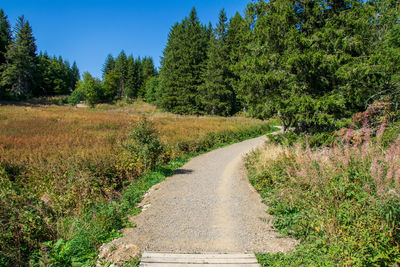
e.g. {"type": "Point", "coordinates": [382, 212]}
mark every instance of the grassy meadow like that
{"type": "Point", "coordinates": [64, 171]}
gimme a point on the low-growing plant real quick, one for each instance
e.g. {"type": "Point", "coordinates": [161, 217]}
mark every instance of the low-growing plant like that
{"type": "Point", "coordinates": [144, 143]}
{"type": "Point", "coordinates": [342, 202]}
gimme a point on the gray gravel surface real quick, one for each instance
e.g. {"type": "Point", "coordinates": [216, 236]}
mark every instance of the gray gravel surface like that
{"type": "Point", "coordinates": [207, 206]}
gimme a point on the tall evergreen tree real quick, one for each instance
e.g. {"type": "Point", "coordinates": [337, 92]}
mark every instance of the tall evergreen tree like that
{"type": "Point", "coordinates": [75, 75]}
{"type": "Point", "coordinates": [238, 36]}
{"type": "Point", "coordinates": [217, 95]}
{"type": "Point", "coordinates": [19, 74]}
{"type": "Point", "coordinates": [121, 69]}
{"type": "Point", "coordinates": [148, 71]}
{"type": "Point", "coordinates": [5, 36]}
{"type": "Point", "coordinates": [5, 40]}
{"type": "Point", "coordinates": [182, 64]}
{"type": "Point", "coordinates": [133, 82]}
{"type": "Point", "coordinates": [109, 65]}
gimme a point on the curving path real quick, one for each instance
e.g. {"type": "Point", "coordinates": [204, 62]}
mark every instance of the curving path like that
{"type": "Point", "coordinates": [207, 206]}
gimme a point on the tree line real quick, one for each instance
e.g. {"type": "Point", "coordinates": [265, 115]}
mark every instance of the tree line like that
{"type": "Point", "coordinates": [123, 77]}
{"type": "Point", "coordinates": [311, 63]}
{"type": "Point", "coordinates": [24, 73]}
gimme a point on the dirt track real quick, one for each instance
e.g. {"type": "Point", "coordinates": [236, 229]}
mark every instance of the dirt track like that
{"type": "Point", "coordinates": [207, 206]}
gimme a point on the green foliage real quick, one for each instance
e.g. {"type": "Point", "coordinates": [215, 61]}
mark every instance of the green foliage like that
{"type": "Point", "coordinates": [55, 76]}
{"type": "Point", "coordinates": [77, 96]}
{"type": "Point", "coordinates": [214, 140]}
{"type": "Point", "coordinates": [5, 40]}
{"type": "Point", "coordinates": [153, 90]}
{"type": "Point", "coordinates": [148, 72]}
{"type": "Point", "coordinates": [5, 36]}
{"type": "Point", "coordinates": [25, 220]}
{"type": "Point", "coordinates": [109, 65]}
{"type": "Point", "coordinates": [23, 74]}
{"type": "Point", "coordinates": [121, 69]}
{"type": "Point", "coordinates": [144, 142]}
{"type": "Point", "coordinates": [19, 72]}
{"type": "Point", "coordinates": [342, 203]}
{"type": "Point", "coordinates": [217, 95]}
{"type": "Point", "coordinates": [134, 80]}
{"type": "Point", "coordinates": [93, 89]}
{"type": "Point", "coordinates": [314, 63]}
{"type": "Point", "coordinates": [132, 74]}
{"type": "Point", "coordinates": [111, 84]}
{"type": "Point", "coordinates": [182, 64]}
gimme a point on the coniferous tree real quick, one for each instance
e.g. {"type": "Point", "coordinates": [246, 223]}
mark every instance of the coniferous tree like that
{"type": "Point", "coordinates": [148, 71]}
{"type": "Point", "coordinates": [5, 36]}
{"type": "Point", "coordinates": [217, 96]}
{"type": "Point", "coordinates": [109, 65]}
{"type": "Point", "coordinates": [312, 62]}
{"type": "Point", "coordinates": [237, 38]}
{"type": "Point", "coordinates": [5, 40]}
{"type": "Point", "coordinates": [19, 73]}
{"type": "Point", "coordinates": [182, 64]}
{"type": "Point", "coordinates": [121, 69]}
{"type": "Point", "coordinates": [75, 75]}
{"type": "Point", "coordinates": [133, 83]}
{"type": "Point", "coordinates": [55, 76]}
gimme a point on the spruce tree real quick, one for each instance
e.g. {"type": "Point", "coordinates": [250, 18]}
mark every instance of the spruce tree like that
{"type": "Point", "coordinates": [5, 36]}
{"type": "Point", "coordinates": [238, 36]}
{"type": "Point", "coordinates": [55, 76]}
{"type": "Point", "coordinates": [182, 64]}
{"type": "Point", "coordinates": [5, 40]}
{"type": "Point", "coordinates": [109, 65]}
{"type": "Point", "coordinates": [148, 71]}
{"type": "Point", "coordinates": [21, 62]}
{"type": "Point", "coordinates": [121, 69]}
{"type": "Point", "coordinates": [217, 95]}
{"type": "Point", "coordinates": [75, 75]}
{"type": "Point", "coordinates": [133, 82]}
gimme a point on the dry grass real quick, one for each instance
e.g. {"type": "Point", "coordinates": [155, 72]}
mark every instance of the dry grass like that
{"type": "Point", "coordinates": [57, 150]}
{"type": "Point", "coordinates": [45, 131]}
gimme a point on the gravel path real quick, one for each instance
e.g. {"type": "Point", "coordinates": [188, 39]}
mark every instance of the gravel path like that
{"type": "Point", "coordinates": [207, 206]}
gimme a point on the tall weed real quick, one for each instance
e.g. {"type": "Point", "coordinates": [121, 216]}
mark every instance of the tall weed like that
{"type": "Point", "coordinates": [342, 202]}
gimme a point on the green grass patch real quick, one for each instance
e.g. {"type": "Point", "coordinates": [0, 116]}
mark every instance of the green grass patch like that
{"type": "Point", "coordinates": [342, 203]}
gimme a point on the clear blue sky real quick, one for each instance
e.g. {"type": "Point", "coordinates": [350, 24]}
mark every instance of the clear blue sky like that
{"type": "Point", "coordinates": [86, 31]}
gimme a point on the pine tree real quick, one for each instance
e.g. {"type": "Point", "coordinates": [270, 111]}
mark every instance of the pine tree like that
{"type": "Point", "coordinates": [238, 36]}
{"type": "Point", "coordinates": [5, 36]}
{"type": "Point", "coordinates": [148, 71]}
{"type": "Point", "coordinates": [5, 40]}
{"type": "Point", "coordinates": [55, 76]}
{"type": "Point", "coordinates": [75, 75]}
{"type": "Point", "coordinates": [182, 64]}
{"type": "Point", "coordinates": [133, 82]}
{"type": "Point", "coordinates": [217, 96]}
{"type": "Point", "coordinates": [19, 74]}
{"type": "Point", "coordinates": [121, 69]}
{"type": "Point", "coordinates": [109, 65]}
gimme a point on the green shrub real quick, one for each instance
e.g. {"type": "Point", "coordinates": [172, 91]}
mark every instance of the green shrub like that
{"type": "Point", "coordinates": [144, 142]}
{"type": "Point", "coordinates": [25, 221]}
{"type": "Point", "coordinates": [76, 97]}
